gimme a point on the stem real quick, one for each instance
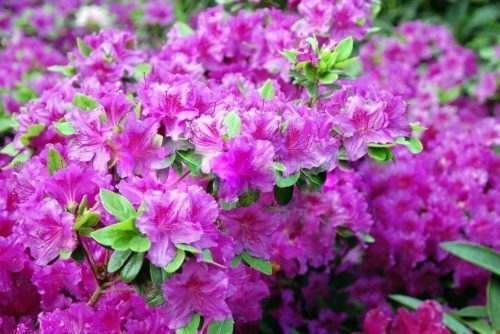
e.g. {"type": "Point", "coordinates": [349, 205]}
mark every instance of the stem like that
{"type": "Point", "coordinates": [90, 258]}
{"type": "Point", "coordinates": [95, 296]}
{"type": "Point", "coordinates": [183, 176]}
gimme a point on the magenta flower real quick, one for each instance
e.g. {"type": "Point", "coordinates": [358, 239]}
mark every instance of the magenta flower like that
{"type": "Point", "coordinates": [69, 185]}
{"type": "Point", "coordinates": [246, 165]}
{"type": "Point", "coordinates": [166, 222]}
{"type": "Point", "coordinates": [252, 228]}
{"type": "Point", "coordinates": [47, 231]}
{"type": "Point", "coordinates": [136, 148]}
{"type": "Point", "coordinates": [12, 260]}
{"type": "Point", "coordinates": [201, 289]}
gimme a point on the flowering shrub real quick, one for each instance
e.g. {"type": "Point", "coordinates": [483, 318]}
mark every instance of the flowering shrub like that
{"type": "Point", "coordinates": [240, 169]}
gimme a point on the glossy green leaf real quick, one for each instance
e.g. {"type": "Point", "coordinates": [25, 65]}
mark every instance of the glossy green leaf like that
{"type": "Point", "coordinates": [414, 145]}
{"type": "Point", "coordinates": [155, 298]}
{"type": "Point", "coordinates": [191, 327]}
{"type": "Point", "coordinates": [107, 236]}
{"type": "Point", "coordinates": [117, 260]}
{"type": "Point", "coordinates": [480, 326]}
{"type": "Point", "coordinates": [83, 47]}
{"type": "Point", "coordinates": [264, 266]}
{"type": "Point", "coordinates": [84, 102]}
{"type": "Point", "coordinates": [232, 122]}
{"type": "Point", "coordinates": [286, 181]}
{"type": "Point", "coordinates": [34, 130]}
{"type": "Point", "coordinates": [481, 256]}
{"type": "Point", "coordinates": [55, 161]}
{"type": "Point", "coordinates": [24, 93]}
{"type": "Point", "coordinates": [139, 244]}
{"type": "Point", "coordinates": [117, 205]}
{"type": "Point", "coordinates": [343, 50]}
{"type": "Point", "coordinates": [472, 312]}
{"type": "Point", "coordinates": [379, 153]}
{"type": "Point", "coordinates": [283, 195]}
{"type": "Point", "coordinates": [67, 70]}
{"type": "Point", "coordinates": [315, 181]}
{"type": "Point", "coordinates": [493, 304]}
{"type": "Point", "coordinates": [132, 267]}
{"type": "Point", "coordinates": [291, 55]}
{"type": "Point", "coordinates": [176, 262]}
{"type": "Point", "coordinates": [142, 70]}
{"type": "Point", "coordinates": [221, 327]}
{"type": "Point", "coordinates": [328, 78]}
{"type": "Point", "coordinates": [191, 160]}
{"type": "Point", "coordinates": [188, 248]}
{"type": "Point", "coordinates": [87, 219]}
{"type": "Point", "coordinates": [64, 128]}
{"type": "Point", "coordinates": [267, 90]}
{"type": "Point", "coordinates": [248, 198]}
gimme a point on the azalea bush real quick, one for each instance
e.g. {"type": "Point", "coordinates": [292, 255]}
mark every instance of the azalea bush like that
{"type": "Point", "coordinates": [247, 166]}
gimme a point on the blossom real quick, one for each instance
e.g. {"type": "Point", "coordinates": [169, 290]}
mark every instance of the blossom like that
{"type": "Point", "coordinates": [166, 222]}
{"type": "Point", "coordinates": [200, 289]}
{"type": "Point", "coordinates": [136, 147]}
{"type": "Point", "coordinates": [243, 167]}
{"type": "Point", "coordinates": [47, 231]}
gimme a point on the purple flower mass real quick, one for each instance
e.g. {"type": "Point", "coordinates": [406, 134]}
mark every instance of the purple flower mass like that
{"type": "Point", "coordinates": [249, 167]}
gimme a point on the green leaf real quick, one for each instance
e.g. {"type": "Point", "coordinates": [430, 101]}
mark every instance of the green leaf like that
{"type": "Point", "coordinates": [417, 127]}
{"type": "Point", "coordinates": [191, 327]}
{"type": "Point", "coordinates": [314, 43]}
{"type": "Point", "coordinates": [367, 238]}
{"type": "Point", "coordinates": [208, 258]}
{"type": "Point", "coordinates": [328, 77]}
{"type": "Point", "coordinates": [481, 256]}
{"type": "Point", "coordinates": [64, 128]}
{"type": "Point", "coordinates": [310, 71]}
{"type": "Point", "coordinates": [261, 265]}
{"type": "Point", "coordinates": [232, 122]}
{"type": "Point", "coordinates": [20, 158]}
{"type": "Point", "coordinates": [55, 161]}
{"type": "Point", "coordinates": [67, 70]}
{"type": "Point", "coordinates": [88, 219]}
{"type": "Point", "coordinates": [345, 63]}
{"type": "Point", "coordinates": [191, 160]}
{"type": "Point", "coordinates": [64, 255]}
{"type": "Point", "coordinates": [117, 205]}
{"type": "Point", "coordinates": [83, 47]}
{"type": "Point", "coordinates": [122, 243]}
{"type": "Point", "coordinates": [447, 96]}
{"type": "Point", "coordinates": [278, 166]}
{"type": "Point", "coordinates": [158, 275]}
{"type": "Point", "coordinates": [236, 261]}
{"type": "Point", "coordinates": [283, 195]}
{"type": "Point", "coordinates": [139, 244]}
{"type": "Point", "coordinates": [291, 55]}
{"type": "Point", "coordinates": [117, 260]}
{"type": "Point", "coordinates": [188, 248]}
{"type": "Point", "coordinates": [267, 90]}
{"type": "Point", "coordinates": [414, 145]}
{"type": "Point", "coordinates": [221, 327]}
{"type": "Point", "coordinates": [409, 302]}
{"type": "Point", "coordinates": [132, 267]}
{"type": "Point", "coordinates": [343, 50]}
{"type": "Point", "coordinates": [24, 93]}
{"type": "Point", "coordinates": [248, 198]}
{"type": "Point", "coordinates": [9, 150]}
{"type": "Point", "coordinates": [84, 102]}
{"type": "Point", "coordinates": [379, 153]}
{"type": "Point", "coordinates": [288, 181]}
{"type": "Point", "coordinates": [78, 254]}
{"type": "Point", "coordinates": [479, 325]}
{"type": "Point", "coordinates": [107, 236]}
{"type": "Point", "coordinates": [155, 298]}
{"type": "Point", "coordinates": [494, 301]}
{"type": "Point", "coordinates": [142, 70]}
{"type": "Point", "coordinates": [473, 312]}
{"type": "Point", "coordinates": [184, 29]}
{"type": "Point", "coordinates": [316, 181]}
{"type": "Point", "coordinates": [176, 262]}
{"type": "Point", "coordinates": [34, 130]}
